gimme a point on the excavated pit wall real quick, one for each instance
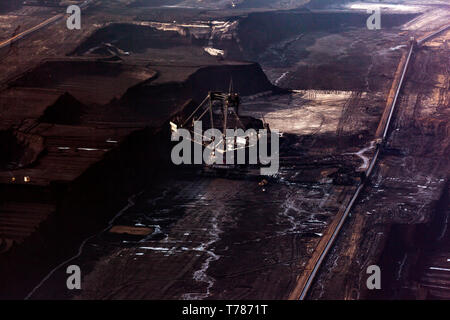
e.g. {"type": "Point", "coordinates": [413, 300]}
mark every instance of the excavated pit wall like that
{"type": "Point", "coordinates": [258, 31]}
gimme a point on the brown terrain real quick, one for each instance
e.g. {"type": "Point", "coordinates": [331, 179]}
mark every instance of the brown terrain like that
{"type": "Point", "coordinates": [86, 176]}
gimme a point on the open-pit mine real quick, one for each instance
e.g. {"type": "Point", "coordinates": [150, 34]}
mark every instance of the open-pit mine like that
{"type": "Point", "coordinates": [358, 207]}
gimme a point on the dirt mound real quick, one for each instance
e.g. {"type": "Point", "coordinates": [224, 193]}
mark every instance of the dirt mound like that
{"type": "Point", "coordinates": [132, 38]}
{"type": "Point", "coordinates": [66, 110]}
{"type": "Point", "coordinates": [159, 99]}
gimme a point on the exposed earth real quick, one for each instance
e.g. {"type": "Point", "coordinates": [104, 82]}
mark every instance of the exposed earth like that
{"type": "Point", "coordinates": [85, 171]}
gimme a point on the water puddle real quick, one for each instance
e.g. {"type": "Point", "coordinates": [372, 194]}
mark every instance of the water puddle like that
{"type": "Point", "coordinates": [361, 155]}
